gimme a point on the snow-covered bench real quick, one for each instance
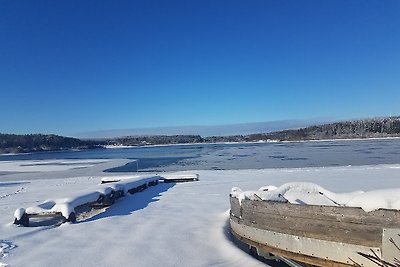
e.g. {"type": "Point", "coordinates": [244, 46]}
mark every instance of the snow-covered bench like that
{"type": "Point", "coordinates": [68, 207]}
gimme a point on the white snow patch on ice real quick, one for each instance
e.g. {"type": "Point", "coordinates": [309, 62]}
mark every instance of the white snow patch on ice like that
{"type": "Point", "coordinates": [48, 165]}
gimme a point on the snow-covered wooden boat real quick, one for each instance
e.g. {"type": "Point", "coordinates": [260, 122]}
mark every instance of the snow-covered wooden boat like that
{"type": "Point", "coordinates": [319, 235]}
{"type": "Point", "coordinates": [67, 209]}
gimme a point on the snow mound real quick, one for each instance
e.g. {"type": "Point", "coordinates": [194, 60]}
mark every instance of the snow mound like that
{"type": "Point", "coordinates": [66, 205]}
{"type": "Point", "coordinates": [376, 199]}
{"type": "Point", "coordinates": [19, 213]}
{"type": "Point", "coordinates": [267, 188]}
{"type": "Point", "coordinates": [313, 194]}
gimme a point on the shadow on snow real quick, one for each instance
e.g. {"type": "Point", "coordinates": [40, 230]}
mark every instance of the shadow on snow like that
{"type": "Point", "coordinates": [131, 203]}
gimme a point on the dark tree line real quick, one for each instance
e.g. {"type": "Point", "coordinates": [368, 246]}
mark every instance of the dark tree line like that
{"type": "Point", "coordinates": [368, 128]}
{"type": "Point", "coordinates": [13, 143]}
{"type": "Point", "coordinates": [172, 139]}
{"type": "Point", "coordinates": [379, 127]}
{"type": "Point", "coordinates": [155, 140]}
{"type": "Point", "coordinates": [219, 139]}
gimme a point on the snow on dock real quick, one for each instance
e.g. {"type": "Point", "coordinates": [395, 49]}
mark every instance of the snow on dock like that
{"type": "Point", "coordinates": [68, 207]}
{"type": "Point", "coordinates": [167, 178]}
{"type": "Point", "coordinates": [103, 195]}
{"type": "Point", "coordinates": [179, 178]}
{"type": "Point", "coordinates": [117, 178]}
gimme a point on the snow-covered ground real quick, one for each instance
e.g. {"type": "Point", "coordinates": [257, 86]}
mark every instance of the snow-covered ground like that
{"type": "Point", "coordinates": [166, 225]}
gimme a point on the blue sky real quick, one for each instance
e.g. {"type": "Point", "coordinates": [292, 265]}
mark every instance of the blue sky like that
{"type": "Point", "coordinates": [75, 66]}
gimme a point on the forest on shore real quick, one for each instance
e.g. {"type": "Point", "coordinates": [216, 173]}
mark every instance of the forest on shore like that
{"type": "Point", "coordinates": [366, 128]}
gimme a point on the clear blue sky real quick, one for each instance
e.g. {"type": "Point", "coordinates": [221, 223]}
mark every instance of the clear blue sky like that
{"type": "Point", "coordinates": [73, 66]}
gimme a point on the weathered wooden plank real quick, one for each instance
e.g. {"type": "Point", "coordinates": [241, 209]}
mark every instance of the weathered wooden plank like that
{"type": "Point", "coordinates": [358, 234]}
{"type": "Point", "coordinates": [235, 207]}
{"type": "Point", "coordinates": [340, 224]}
{"type": "Point", "coordinates": [353, 234]}
{"type": "Point", "coordinates": [44, 215]}
{"type": "Point", "coordinates": [332, 251]}
{"type": "Point", "coordinates": [383, 218]}
{"type": "Point", "coordinates": [343, 225]}
{"type": "Point", "coordinates": [295, 256]}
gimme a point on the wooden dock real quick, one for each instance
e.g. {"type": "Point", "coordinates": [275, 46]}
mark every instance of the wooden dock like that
{"type": "Point", "coordinates": [179, 178]}
{"type": "Point", "coordinates": [318, 235]}
{"type": "Point", "coordinates": [97, 198]}
{"type": "Point", "coordinates": [93, 200]}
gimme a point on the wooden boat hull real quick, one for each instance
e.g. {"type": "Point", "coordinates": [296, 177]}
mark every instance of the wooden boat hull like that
{"type": "Point", "coordinates": [318, 235]}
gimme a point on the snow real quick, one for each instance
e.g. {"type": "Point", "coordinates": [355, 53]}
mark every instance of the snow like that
{"type": "Point", "coordinates": [313, 194]}
{"type": "Point", "coordinates": [267, 188]}
{"type": "Point", "coordinates": [118, 177]}
{"type": "Point", "coordinates": [298, 193]}
{"type": "Point", "coordinates": [126, 185]}
{"type": "Point", "coordinates": [21, 170]}
{"type": "Point", "coordinates": [51, 165]}
{"type": "Point", "coordinates": [182, 224]}
{"type": "Point", "coordinates": [373, 200]}
{"type": "Point", "coordinates": [19, 213]}
{"type": "Point", "coordinates": [5, 247]}
{"type": "Point", "coordinates": [64, 205]}
{"type": "Point", "coordinates": [68, 204]}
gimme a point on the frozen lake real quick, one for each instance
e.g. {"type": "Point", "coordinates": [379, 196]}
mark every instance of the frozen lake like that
{"type": "Point", "coordinates": [239, 156]}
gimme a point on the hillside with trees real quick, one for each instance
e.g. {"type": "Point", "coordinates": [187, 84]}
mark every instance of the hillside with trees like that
{"type": "Point", "coordinates": [367, 128]}
{"type": "Point", "coordinates": [13, 143]}
{"type": "Point", "coordinates": [155, 140]}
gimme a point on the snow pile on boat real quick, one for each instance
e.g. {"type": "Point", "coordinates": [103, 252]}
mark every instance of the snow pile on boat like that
{"type": "Point", "coordinates": [313, 194]}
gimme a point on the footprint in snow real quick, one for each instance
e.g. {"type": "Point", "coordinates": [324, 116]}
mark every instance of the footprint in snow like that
{"type": "Point", "coordinates": [5, 247]}
{"type": "Point", "coordinates": [21, 190]}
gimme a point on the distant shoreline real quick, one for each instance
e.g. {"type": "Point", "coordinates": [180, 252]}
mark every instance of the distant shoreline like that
{"type": "Point", "coordinates": [345, 139]}
{"type": "Point", "coordinates": [214, 143]}
{"type": "Point", "coordinates": [254, 142]}
{"type": "Point", "coordinates": [368, 129]}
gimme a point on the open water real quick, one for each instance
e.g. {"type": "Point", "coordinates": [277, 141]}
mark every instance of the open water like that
{"type": "Point", "coordinates": [239, 156]}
